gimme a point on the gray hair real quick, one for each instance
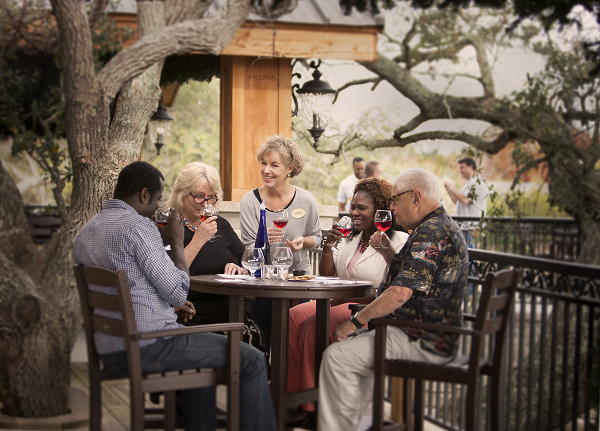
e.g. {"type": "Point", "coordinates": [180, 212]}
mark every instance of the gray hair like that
{"type": "Point", "coordinates": [421, 180]}
{"type": "Point", "coordinates": [194, 175]}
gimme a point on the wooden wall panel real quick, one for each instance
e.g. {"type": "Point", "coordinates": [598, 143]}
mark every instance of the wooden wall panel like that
{"type": "Point", "coordinates": [255, 103]}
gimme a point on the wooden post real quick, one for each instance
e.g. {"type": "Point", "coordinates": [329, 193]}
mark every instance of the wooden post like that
{"type": "Point", "coordinates": [255, 103]}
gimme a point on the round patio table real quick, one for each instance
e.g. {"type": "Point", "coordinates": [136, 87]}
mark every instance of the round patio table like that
{"type": "Point", "coordinates": [281, 293]}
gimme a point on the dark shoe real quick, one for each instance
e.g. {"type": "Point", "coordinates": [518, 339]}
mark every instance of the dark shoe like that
{"type": "Point", "coordinates": [303, 419]}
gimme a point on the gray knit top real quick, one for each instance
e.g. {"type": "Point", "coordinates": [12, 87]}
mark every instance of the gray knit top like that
{"type": "Point", "coordinates": [303, 220]}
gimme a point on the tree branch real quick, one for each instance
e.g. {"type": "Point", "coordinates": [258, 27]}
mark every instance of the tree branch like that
{"type": "Point", "coordinates": [97, 12]}
{"type": "Point", "coordinates": [185, 10]}
{"type": "Point", "coordinates": [375, 82]}
{"type": "Point", "coordinates": [208, 34]}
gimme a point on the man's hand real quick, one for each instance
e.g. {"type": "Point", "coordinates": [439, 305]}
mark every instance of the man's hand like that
{"type": "Point", "coordinates": [344, 330]}
{"type": "Point", "coordinates": [186, 311]}
{"type": "Point", "coordinates": [173, 232]}
{"type": "Point", "coordinates": [232, 269]}
{"type": "Point", "coordinates": [275, 235]}
{"type": "Point", "coordinates": [296, 244]}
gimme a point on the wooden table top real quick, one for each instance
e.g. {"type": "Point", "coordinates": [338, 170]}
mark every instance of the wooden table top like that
{"type": "Point", "coordinates": [281, 289]}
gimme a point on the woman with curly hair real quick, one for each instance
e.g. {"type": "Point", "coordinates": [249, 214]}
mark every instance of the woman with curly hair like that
{"type": "Point", "coordinates": [355, 259]}
{"type": "Point", "coordinates": [280, 159]}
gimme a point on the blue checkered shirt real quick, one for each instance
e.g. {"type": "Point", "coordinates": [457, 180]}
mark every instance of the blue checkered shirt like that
{"type": "Point", "coordinates": [120, 238]}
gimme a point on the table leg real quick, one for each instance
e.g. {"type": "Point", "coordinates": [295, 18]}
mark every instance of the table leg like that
{"type": "Point", "coordinates": [321, 340]}
{"type": "Point", "coordinates": [236, 314]}
{"type": "Point", "coordinates": [279, 352]}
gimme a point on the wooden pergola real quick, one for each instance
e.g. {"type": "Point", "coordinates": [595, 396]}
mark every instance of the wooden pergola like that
{"type": "Point", "coordinates": [256, 76]}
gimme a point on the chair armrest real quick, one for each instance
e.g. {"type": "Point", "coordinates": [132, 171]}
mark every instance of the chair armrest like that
{"type": "Point", "coordinates": [423, 325]}
{"type": "Point", "coordinates": [356, 307]}
{"type": "Point", "coordinates": [186, 330]}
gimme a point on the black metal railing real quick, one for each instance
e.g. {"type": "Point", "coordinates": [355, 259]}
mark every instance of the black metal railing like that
{"type": "Point", "coordinates": [549, 362]}
{"type": "Point", "coordinates": [552, 238]}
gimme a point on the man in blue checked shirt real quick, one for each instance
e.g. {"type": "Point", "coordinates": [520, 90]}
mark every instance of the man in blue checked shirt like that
{"type": "Point", "coordinates": [122, 236]}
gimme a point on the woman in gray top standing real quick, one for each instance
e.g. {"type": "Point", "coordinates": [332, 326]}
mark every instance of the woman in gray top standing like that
{"type": "Point", "coordinates": [280, 159]}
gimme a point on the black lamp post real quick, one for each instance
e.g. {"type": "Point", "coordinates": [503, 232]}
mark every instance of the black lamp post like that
{"type": "Point", "coordinates": [159, 126]}
{"type": "Point", "coordinates": [316, 99]}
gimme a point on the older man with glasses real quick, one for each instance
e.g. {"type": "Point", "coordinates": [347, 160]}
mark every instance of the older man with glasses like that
{"type": "Point", "coordinates": [425, 282]}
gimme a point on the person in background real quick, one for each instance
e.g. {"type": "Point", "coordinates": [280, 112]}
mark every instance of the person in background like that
{"type": "Point", "coordinates": [346, 189]}
{"type": "Point", "coordinates": [198, 185]}
{"type": "Point", "coordinates": [373, 169]}
{"type": "Point", "coordinates": [425, 282]}
{"type": "Point", "coordinates": [280, 159]}
{"type": "Point", "coordinates": [123, 237]}
{"type": "Point", "coordinates": [355, 259]}
{"type": "Point", "coordinates": [471, 200]}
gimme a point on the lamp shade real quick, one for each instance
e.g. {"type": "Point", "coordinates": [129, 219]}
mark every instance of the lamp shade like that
{"type": "Point", "coordinates": [159, 127]}
{"type": "Point", "coordinates": [316, 99]}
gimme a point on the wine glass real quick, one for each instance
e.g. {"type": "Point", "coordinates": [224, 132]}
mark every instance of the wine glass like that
{"type": "Point", "coordinates": [383, 221]}
{"type": "Point", "coordinates": [253, 259]}
{"type": "Point", "coordinates": [210, 211]}
{"type": "Point", "coordinates": [281, 220]}
{"type": "Point", "coordinates": [282, 259]}
{"type": "Point", "coordinates": [161, 216]}
{"type": "Point", "coordinates": [344, 225]}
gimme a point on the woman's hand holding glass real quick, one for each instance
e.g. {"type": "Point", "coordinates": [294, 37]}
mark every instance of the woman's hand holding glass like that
{"type": "Point", "coordinates": [341, 229]}
{"type": "Point", "coordinates": [282, 259]}
{"type": "Point", "coordinates": [275, 236]}
{"type": "Point", "coordinates": [209, 214]}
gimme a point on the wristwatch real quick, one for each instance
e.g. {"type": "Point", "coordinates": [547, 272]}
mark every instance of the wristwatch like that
{"type": "Point", "coordinates": [354, 320]}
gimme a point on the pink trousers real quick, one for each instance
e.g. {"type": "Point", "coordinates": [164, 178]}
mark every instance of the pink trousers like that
{"type": "Point", "coordinates": [301, 349]}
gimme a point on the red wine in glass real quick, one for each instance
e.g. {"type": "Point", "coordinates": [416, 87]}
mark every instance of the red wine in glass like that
{"type": "Point", "coordinates": [383, 225]}
{"type": "Point", "coordinates": [383, 221]}
{"type": "Point", "coordinates": [280, 220]}
{"type": "Point", "coordinates": [280, 223]}
{"type": "Point", "coordinates": [345, 232]}
{"type": "Point", "coordinates": [204, 217]}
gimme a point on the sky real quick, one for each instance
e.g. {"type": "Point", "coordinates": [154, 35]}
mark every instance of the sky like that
{"type": "Point", "coordinates": [510, 71]}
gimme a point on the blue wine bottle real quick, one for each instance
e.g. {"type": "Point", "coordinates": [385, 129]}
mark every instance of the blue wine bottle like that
{"type": "Point", "coordinates": [262, 237]}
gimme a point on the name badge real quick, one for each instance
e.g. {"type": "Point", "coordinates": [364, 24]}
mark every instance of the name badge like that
{"type": "Point", "coordinates": [298, 213]}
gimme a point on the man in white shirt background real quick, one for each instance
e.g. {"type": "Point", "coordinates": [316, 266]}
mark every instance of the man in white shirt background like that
{"type": "Point", "coordinates": [471, 200]}
{"type": "Point", "coordinates": [347, 185]}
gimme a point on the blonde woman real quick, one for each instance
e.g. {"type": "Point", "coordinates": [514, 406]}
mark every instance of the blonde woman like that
{"type": "Point", "coordinates": [280, 159]}
{"type": "Point", "coordinates": [197, 185]}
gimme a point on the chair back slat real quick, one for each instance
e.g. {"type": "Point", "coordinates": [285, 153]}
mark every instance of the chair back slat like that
{"type": "Point", "coordinates": [108, 326]}
{"type": "Point", "coordinates": [103, 301]}
{"type": "Point", "coordinates": [499, 301]}
{"type": "Point", "coordinates": [497, 297]}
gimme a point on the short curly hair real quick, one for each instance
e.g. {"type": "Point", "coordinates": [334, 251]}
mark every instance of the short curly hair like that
{"type": "Point", "coordinates": [380, 191]}
{"type": "Point", "coordinates": [287, 150]}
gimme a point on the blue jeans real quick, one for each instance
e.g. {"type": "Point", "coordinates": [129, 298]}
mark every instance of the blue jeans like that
{"type": "Point", "coordinates": [208, 351]}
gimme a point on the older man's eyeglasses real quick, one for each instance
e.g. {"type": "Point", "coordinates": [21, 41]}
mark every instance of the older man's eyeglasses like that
{"type": "Point", "coordinates": [394, 197]}
{"type": "Point", "coordinates": [200, 199]}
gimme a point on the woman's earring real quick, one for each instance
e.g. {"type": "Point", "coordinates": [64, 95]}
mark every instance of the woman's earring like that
{"type": "Point", "coordinates": [288, 175]}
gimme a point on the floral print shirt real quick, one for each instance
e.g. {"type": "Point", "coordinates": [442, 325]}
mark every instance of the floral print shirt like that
{"type": "Point", "coordinates": [434, 263]}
